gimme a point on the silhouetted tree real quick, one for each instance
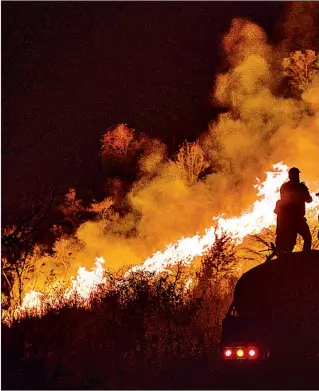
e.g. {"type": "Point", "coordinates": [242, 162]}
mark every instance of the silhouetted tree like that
{"type": "Point", "coordinates": [191, 160]}
{"type": "Point", "coordinates": [219, 260]}
{"type": "Point", "coordinates": [215, 282]}
{"type": "Point", "coordinates": [71, 207]}
{"type": "Point", "coordinates": [120, 150]}
{"type": "Point", "coordinates": [100, 208]}
{"type": "Point", "coordinates": [125, 155]}
{"type": "Point", "coordinates": [17, 245]}
{"type": "Point", "coordinates": [300, 68]}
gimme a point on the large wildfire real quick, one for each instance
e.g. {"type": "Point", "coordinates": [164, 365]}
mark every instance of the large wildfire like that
{"type": "Point", "coordinates": [260, 216]}
{"type": "Point", "coordinates": [171, 211]}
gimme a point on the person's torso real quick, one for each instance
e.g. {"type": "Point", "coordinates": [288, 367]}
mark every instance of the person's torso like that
{"type": "Point", "coordinates": [293, 198]}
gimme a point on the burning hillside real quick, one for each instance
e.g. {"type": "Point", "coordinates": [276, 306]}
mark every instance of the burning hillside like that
{"type": "Point", "coordinates": [260, 216]}
{"type": "Point", "coordinates": [132, 222]}
{"type": "Point", "coordinates": [166, 200]}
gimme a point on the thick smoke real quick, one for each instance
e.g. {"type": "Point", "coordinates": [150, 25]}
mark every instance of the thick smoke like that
{"type": "Point", "coordinates": [258, 129]}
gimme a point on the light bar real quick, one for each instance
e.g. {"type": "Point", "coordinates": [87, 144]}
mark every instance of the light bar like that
{"type": "Point", "coordinates": [240, 352]}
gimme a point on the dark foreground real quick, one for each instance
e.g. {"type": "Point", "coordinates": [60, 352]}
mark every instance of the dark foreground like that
{"type": "Point", "coordinates": [157, 340]}
{"type": "Point", "coordinates": [195, 373]}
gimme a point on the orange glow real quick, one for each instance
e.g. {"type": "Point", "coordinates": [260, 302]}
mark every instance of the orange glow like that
{"type": "Point", "coordinates": [240, 353]}
{"type": "Point", "coordinates": [87, 282]}
{"type": "Point", "coordinates": [252, 221]}
{"type": "Point", "coordinates": [32, 300]}
{"type": "Point", "coordinates": [83, 288]}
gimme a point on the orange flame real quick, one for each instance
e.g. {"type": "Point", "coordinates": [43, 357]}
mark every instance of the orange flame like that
{"type": "Point", "coordinates": [250, 222]}
{"type": "Point", "coordinates": [87, 282]}
{"type": "Point", "coordinates": [260, 216]}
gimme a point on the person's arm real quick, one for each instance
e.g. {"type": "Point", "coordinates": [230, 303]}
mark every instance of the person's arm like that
{"type": "Point", "coordinates": [308, 197]}
{"type": "Point", "coordinates": [277, 207]}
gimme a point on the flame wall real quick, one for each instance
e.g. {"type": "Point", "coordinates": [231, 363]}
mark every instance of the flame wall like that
{"type": "Point", "coordinates": [259, 128]}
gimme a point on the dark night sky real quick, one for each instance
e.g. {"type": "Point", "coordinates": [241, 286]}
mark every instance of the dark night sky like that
{"type": "Point", "coordinates": [71, 70]}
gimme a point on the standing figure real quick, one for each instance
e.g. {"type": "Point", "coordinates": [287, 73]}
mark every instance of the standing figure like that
{"type": "Point", "coordinates": [290, 210]}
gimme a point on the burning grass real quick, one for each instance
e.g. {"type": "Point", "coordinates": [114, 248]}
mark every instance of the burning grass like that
{"type": "Point", "coordinates": [87, 282]}
{"type": "Point", "coordinates": [142, 331]}
{"type": "Point", "coordinates": [153, 320]}
{"type": "Point", "coordinates": [143, 324]}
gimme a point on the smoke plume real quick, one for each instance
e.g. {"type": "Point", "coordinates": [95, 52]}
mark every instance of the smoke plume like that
{"type": "Point", "coordinates": [258, 129]}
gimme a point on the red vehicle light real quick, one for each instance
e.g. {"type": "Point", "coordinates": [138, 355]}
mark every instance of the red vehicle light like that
{"type": "Point", "coordinates": [252, 352]}
{"type": "Point", "coordinates": [240, 352]}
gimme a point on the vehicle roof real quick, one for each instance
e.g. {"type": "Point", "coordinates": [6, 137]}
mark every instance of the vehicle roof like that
{"type": "Point", "coordinates": [282, 287]}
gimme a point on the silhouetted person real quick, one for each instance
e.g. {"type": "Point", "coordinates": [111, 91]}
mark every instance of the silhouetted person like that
{"type": "Point", "coordinates": [290, 210]}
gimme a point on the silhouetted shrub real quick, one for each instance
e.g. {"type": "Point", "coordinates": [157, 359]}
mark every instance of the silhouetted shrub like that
{"type": "Point", "coordinates": [139, 332]}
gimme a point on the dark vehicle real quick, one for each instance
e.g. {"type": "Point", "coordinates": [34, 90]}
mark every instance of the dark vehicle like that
{"type": "Point", "coordinates": [275, 312]}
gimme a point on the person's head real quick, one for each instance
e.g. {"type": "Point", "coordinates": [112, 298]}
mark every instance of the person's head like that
{"type": "Point", "coordinates": [293, 174]}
